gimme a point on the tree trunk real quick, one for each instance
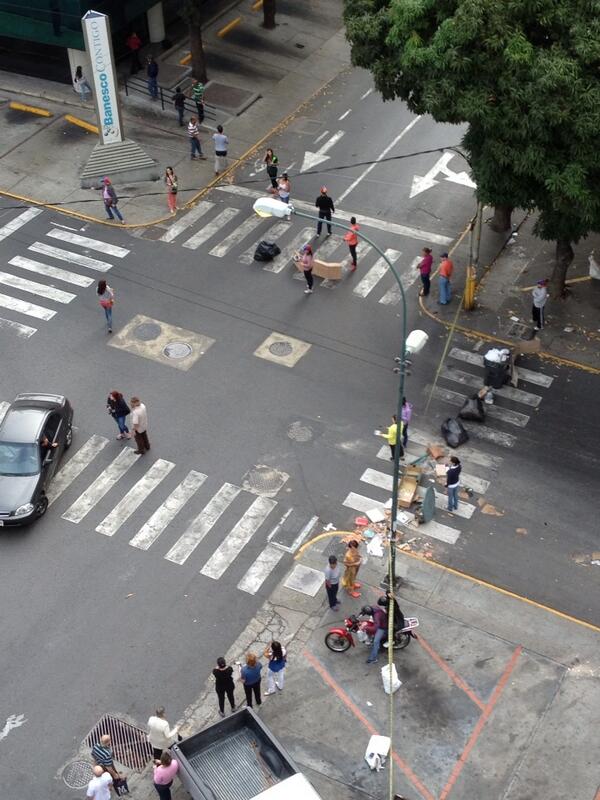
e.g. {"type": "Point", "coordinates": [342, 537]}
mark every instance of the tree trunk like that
{"type": "Point", "coordinates": [501, 219]}
{"type": "Point", "coordinates": [564, 257]}
{"type": "Point", "coordinates": [197, 51]}
{"type": "Point", "coordinates": [269, 14]}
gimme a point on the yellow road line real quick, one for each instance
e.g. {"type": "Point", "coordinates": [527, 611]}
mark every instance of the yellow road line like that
{"type": "Point", "coordinates": [230, 26]}
{"type": "Point", "coordinates": [82, 123]}
{"type": "Point", "coordinates": [257, 5]}
{"type": "Point", "coordinates": [186, 60]}
{"type": "Point", "coordinates": [41, 112]}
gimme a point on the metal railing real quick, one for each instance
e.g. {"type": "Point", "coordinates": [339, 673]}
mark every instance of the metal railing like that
{"type": "Point", "coordinates": [165, 97]}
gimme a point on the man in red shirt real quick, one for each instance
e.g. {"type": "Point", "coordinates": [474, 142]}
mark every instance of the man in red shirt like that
{"type": "Point", "coordinates": [445, 273]}
{"type": "Point", "coordinates": [134, 44]}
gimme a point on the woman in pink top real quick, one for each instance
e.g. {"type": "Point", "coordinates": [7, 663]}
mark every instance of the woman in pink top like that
{"type": "Point", "coordinates": [424, 267]}
{"type": "Point", "coordinates": [164, 772]}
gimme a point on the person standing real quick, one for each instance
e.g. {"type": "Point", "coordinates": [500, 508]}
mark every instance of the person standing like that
{"type": "Point", "coordinates": [391, 437]}
{"type": "Point", "coordinates": [165, 770]}
{"type": "Point", "coordinates": [325, 205]}
{"type": "Point", "coordinates": [152, 74]}
{"type": "Point", "coordinates": [332, 582]}
{"type": "Point", "coordinates": [179, 103]}
{"type": "Point", "coordinates": [160, 734]}
{"type": "Point", "coordinates": [539, 297]}
{"type": "Point", "coordinates": [102, 754]}
{"type": "Point", "coordinates": [276, 670]}
{"type": "Point", "coordinates": [99, 787]}
{"type": "Point", "coordinates": [352, 562]}
{"type": "Point", "coordinates": [452, 482]}
{"type": "Point", "coordinates": [193, 133]}
{"type": "Point", "coordinates": [110, 200]}
{"type": "Point", "coordinates": [445, 273]}
{"type": "Point", "coordinates": [284, 188]}
{"type": "Point", "coordinates": [198, 98]}
{"type": "Point", "coordinates": [306, 259]}
{"type": "Point", "coordinates": [405, 419]}
{"type": "Point", "coordinates": [139, 418]}
{"type": "Point", "coordinates": [250, 675]}
{"type": "Point", "coordinates": [351, 239]}
{"type": "Point", "coordinates": [224, 685]}
{"type": "Point", "coordinates": [380, 618]}
{"type": "Point", "coordinates": [272, 162]}
{"type": "Point", "coordinates": [134, 44]}
{"type": "Point", "coordinates": [106, 297]}
{"type": "Point", "coordinates": [171, 184]}
{"type": "Point", "coordinates": [221, 144]}
{"type": "Point", "coordinates": [119, 411]}
{"type": "Point", "coordinates": [424, 267]}
{"type": "Point", "coordinates": [81, 85]}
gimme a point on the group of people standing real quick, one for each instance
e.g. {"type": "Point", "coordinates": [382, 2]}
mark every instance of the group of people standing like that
{"type": "Point", "coordinates": [445, 270]}
{"type": "Point", "coordinates": [117, 407]}
{"type": "Point", "coordinates": [250, 675]}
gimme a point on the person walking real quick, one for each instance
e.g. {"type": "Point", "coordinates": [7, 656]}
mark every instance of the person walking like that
{"type": "Point", "coordinates": [352, 562]}
{"type": "Point", "coordinates": [224, 685]}
{"type": "Point", "coordinates": [306, 259]}
{"type": "Point", "coordinates": [139, 419]}
{"type": "Point", "coordinates": [276, 670]}
{"type": "Point", "coordinates": [391, 437]}
{"type": "Point", "coordinates": [325, 205]}
{"type": "Point", "coordinates": [171, 184]}
{"type": "Point", "coordinates": [539, 298]}
{"type": "Point", "coordinates": [106, 297]}
{"type": "Point", "coordinates": [179, 103]}
{"type": "Point", "coordinates": [332, 582]}
{"type": "Point", "coordinates": [284, 188]}
{"type": "Point", "coordinates": [165, 770]}
{"type": "Point", "coordinates": [197, 95]}
{"type": "Point", "coordinates": [110, 200]}
{"type": "Point", "coordinates": [99, 786]}
{"type": "Point", "coordinates": [405, 419]}
{"type": "Point", "coordinates": [424, 267]}
{"type": "Point", "coordinates": [445, 273]}
{"type": "Point", "coordinates": [221, 144]}
{"type": "Point", "coordinates": [380, 619]}
{"type": "Point", "coordinates": [351, 239]}
{"type": "Point", "coordinates": [452, 482]}
{"type": "Point", "coordinates": [152, 74]}
{"type": "Point", "coordinates": [193, 133]}
{"type": "Point", "coordinates": [81, 85]}
{"type": "Point", "coordinates": [160, 734]}
{"type": "Point", "coordinates": [134, 44]}
{"type": "Point", "coordinates": [272, 162]}
{"type": "Point", "coordinates": [250, 676]}
{"type": "Point", "coordinates": [119, 411]}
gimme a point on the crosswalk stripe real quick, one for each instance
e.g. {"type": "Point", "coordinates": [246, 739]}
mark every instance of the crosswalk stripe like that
{"type": "Point", "coordinates": [166, 512]}
{"type": "Point", "coordinates": [103, 483]}
{"type": "Point", "coordinates": [476, 382]}
{"type": "Point", "coordinates": [203, 523]}
{"type": "Point", "coordinates": [22, 307]}
{"type": "Point", "coordinates": [4, 406]}
{"type": "Point", "coordinates": [393, 296]}
{"type": "Point", "coordinates": [464, 510]}
{"type": "Point", "coordinates": [493, 411]}
{"type": "Point", "coordinates": [479, 485]}
{"type": "Point", "coordinates": [24, 285]}
{"type": "Point", "coordinates": [262, 567]}
{"type": "Point", "coordinates": [186, 220]}
{"type": "Point", "coordinates": [486, 434]}
{"type": "Point", "coordinates": [361, 503]}
{"type": "Point", "coordinates": [327, 249]}
{"type": "Point", "coordinates": [466, 453]}
{"type": "Point", "coordinates": [529, 376]}
{"type": "Point", "coordinates": [135, 497]}
{"type": "Point", "coordinates": [238, 537]}
{"type": "Point", "coordinates": [281, 261]}
{"type": "Point", "coordinates": [71, 258]}
{"type": "Point", "coordinates": [236, 236]}
{"type": "Point", "coordinates": [51, 272]}
{"type": "Point", "coordinates": [376, 273]}
{"type": "Point", "coordinates": [22, 219]}
{"type": "Point", "coordinates": [90, 244]}
{"type": "Point", "coordinates": [436, 530]}
{"type": "Point", "coordinates": [205, 233]}
{"type": "Point", "coordinates": [75, 466]}
{"type": "Point", "coordinates": [24, 331]}
{"type": "Point", "coordinates": [272, 235]}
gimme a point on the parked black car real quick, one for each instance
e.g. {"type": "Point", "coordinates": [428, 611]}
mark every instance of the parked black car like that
{"type": "Point", "coordinates": [35, 432]}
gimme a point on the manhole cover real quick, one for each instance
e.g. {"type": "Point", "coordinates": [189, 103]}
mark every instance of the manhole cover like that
{"type": "Point", "coordinates": [281, 349]}
{"type": "Point", "coordinates": [78, 774]}
{"type": "Point", "coordinates": [264, 480]}
{"type": "Point", "coordinates": [520, 330]}
{"type": "Point", "coordinates": [147, 331]}
{"type": "Point", "coordinates": [177, 350]}
{"type": "Point", "coordinates": [299, 432]}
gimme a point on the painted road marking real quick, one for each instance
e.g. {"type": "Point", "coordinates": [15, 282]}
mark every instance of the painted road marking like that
{"type": "Point", "coordinates": [366, 94]}
{"type": "Point", "coordinates": [91, 244]}
{"type": "Point", "coordinates": [260, 570]}
{"type": "Point", "coordinates": [167, 511]}
{"type": "Point", "coordinates": [376, 273]}
{"type": "Point", "coordinates": [12, 722]}
{"type": "Point", "coordinates": [272, 235]}
{"type": "Point", "coordinates": [103, 484]}
{"type": "Point", "coordinates": [192, 216]}
{"type": "Point", "coordinates": [24, 285]}
{"type": "Point", "coordinates": [24, 331]}
{"type": "Point", "coordinates": [238, 537]}
{"type": "Point", "coordinates": [200, 527]}
{"type": "Point", "coordinates": [495, 412]}
{"type": "Point", "coordinates": [436, 530]}
{"type": "Point", "coordinates": [71, 258]}
{"type": "Point", "coordinates": [393, 296]}
{"type": "Point", "coordinates": [75, 466]}
{"type": "Point", "coordinates": [529, 376]}
{"type": "Point", "coordinates": [51, 272]}
{"type": "Point", "coordinates": [22, 307]}
{"type": "Point", "coordinates": [22, 219]}
{"type": "Point", "coordinates": [281, 261]}
{"type": "Point", "coordinates": [359, 502]}
{"type": "Point", "coordinates": [479, 485]}
{"type": "Point", "coordinates": [466, 453]}
{"type": "Point", "coordinates": [4, 406]}
{"type": "Point", "coordinates": [139, 492]}
{"type": "Point", "coordinates": [476, 381]}
{"type": "Point", "coordinates": [312, 159]}
{"type": "Point", "coordinates": [194, 242]}
{"type": "Point", "coordinates": [480, 431]}
{"type": "Point", "coordinates": [236, 236]}
{"type": "Point", "coordinates": [344, 115]}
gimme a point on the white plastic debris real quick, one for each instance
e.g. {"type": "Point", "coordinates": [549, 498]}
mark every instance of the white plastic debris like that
{"type": "Point", "coordinates": [594, 266]}
{"type": "Point", "coordinates": [377, 751]}
{"type": "Point", "coordinates": [375, 515]}
{"type": "Point", "coordinates": [393, 683]}
{"type": "Point", "coordinates": [374, 547]}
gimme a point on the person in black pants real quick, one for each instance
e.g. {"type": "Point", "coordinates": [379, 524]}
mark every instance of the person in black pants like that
{"type": "Point", "coordinates": [224, 684]}
{"type": "Point", "coordinates": [332, 582]}
{"type": "Point", "coordinates": [251, 679]}
{"type": "Point", "coordinates": [325, 205]}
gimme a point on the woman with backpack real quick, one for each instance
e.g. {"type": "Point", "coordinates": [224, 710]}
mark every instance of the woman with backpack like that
{"type": "Point", "coordinates": [276, 671]}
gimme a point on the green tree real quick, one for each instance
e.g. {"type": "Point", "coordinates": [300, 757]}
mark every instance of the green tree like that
{"type": "Point", "coordinates": [192, 13]}
{"type": "Point", "coordinates": [524, 75]}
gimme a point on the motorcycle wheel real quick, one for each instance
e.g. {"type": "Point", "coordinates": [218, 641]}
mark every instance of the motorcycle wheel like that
{"type": "Point", "coordinates": [337, 643]}
{"type": "Point", "coordinates": [402, 640]}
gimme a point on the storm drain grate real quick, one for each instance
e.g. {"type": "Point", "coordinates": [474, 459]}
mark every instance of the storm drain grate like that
{"type": "Point", "coordinates": [281, 349]}
{"type": "Point", "coordinates": [520, 330]}
{"type": "Point", "coordinates": [130, 744]}
{"type": "Point", "coordinates": [299, 432]}
{"type": "Point", "coordinates": [78, 774]}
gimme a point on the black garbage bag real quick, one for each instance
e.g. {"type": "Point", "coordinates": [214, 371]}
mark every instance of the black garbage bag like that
{"type": "Point", "coordinates": [266, 251]}
{"type": "Point", "coordinates": [472, 409]}
{"type": "Point", "coordinates": [454, 432]}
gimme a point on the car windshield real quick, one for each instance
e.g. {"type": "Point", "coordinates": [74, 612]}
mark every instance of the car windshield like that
{"type": "Point", "coordinates": [17, 458]}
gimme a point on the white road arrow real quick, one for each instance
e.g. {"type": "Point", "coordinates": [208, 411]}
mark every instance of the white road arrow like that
{"type": "Point", "coordinates": [424, 182]}
{"type": "Point", "coordinates": [14, 721]}
{"type": "Point", "coordinates": [312, 159]}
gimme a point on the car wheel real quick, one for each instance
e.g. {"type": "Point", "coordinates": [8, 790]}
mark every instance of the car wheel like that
{"type": "Point", "coordinates": [41, 506]}
{"type": "Point", "coordinates": [69, 438]}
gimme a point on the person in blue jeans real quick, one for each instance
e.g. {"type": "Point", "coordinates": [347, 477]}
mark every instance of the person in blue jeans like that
{"type": "Point", "coordinates": [119, 411]}
{"type": "Point", "coordinates": [250, 674]}
{"type": "Point", "coordinates": [380, 619]}
{"type": "Point", "coordinates": [452, 482]}
{"type": "Point", "coordinates": [152, 73]}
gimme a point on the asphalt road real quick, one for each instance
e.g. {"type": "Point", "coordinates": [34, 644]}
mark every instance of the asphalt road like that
{"type": "Point", "coordinates": [94, 625]}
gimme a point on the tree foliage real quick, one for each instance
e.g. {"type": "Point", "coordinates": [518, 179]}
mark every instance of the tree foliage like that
{"type": "Point", "coordinates": [524, 75]}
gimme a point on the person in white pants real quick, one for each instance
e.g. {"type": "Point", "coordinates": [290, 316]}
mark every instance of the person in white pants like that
{"type": "Point", "coordinates": [276, 671]}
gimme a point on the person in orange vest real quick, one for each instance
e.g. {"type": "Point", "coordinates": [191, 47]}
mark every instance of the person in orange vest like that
{"type": "Point", "coordinates": [445, 273]}
{"type": "Point", "coordinates": [351, 240]}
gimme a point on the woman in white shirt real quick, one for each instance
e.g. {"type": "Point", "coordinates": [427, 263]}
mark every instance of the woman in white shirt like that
{"type": "Point", "coordinates": [160, 735]}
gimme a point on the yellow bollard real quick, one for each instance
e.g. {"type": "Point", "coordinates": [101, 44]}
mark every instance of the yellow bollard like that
{"type": "Point", "coordinates": [470, 286]}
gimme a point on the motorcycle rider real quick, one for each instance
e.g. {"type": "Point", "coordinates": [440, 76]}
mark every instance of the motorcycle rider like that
{"type": "Point", "coordinates": [384, 602]}
{"type": "Point", "coordinates": [380, 619]}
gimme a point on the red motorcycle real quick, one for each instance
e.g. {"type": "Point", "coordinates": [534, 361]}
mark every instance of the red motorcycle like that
{"type": "Point", "coordinates": [341, 639]}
